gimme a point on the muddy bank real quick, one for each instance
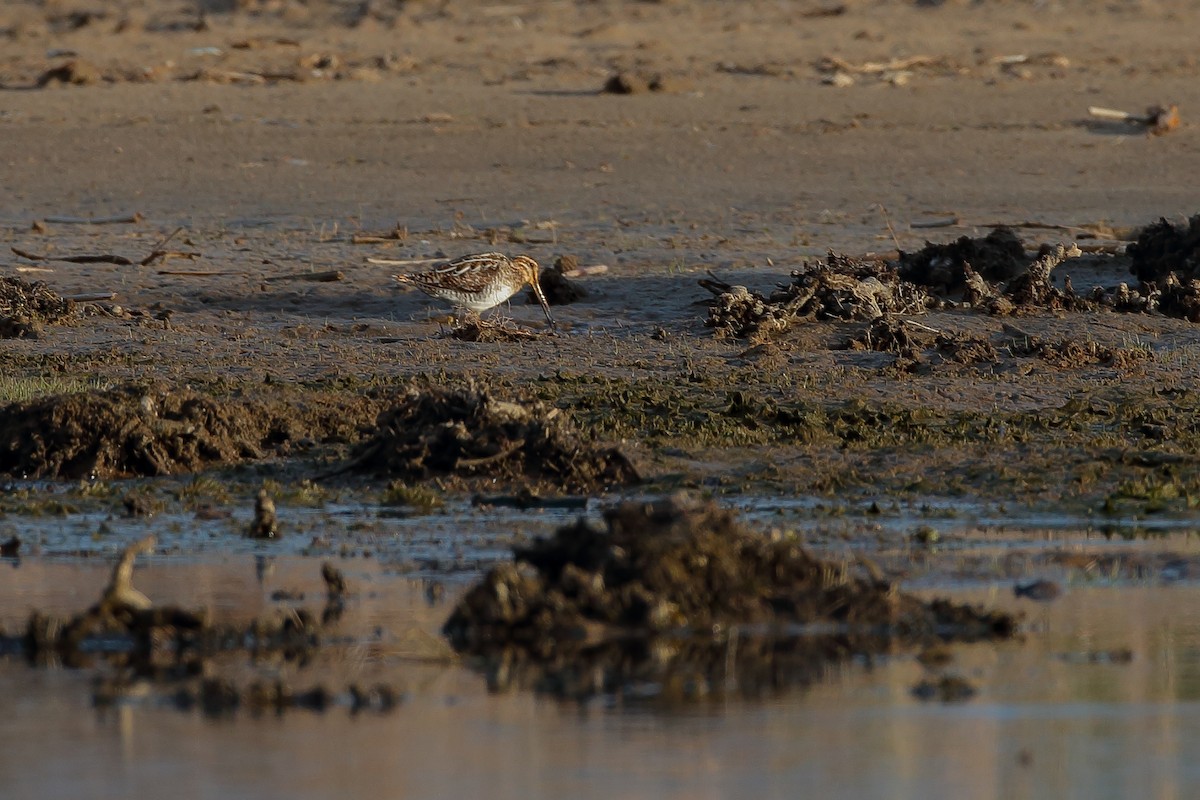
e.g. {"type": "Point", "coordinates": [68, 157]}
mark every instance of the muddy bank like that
{"type": "Point", "coordinates": [672, 588]}
{"type": "Point", "coordinates": [152, 430]}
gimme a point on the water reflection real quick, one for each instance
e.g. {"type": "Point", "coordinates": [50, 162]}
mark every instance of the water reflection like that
{"type": "Point", "coordinates": [1047, 721]}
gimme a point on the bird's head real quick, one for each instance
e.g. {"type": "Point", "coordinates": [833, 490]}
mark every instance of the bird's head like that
{"type": "Point", "coordinates": [530, 271]}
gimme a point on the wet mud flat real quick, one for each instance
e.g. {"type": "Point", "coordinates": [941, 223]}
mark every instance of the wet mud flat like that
{"type": "Point", "coordinates": [669, 601]}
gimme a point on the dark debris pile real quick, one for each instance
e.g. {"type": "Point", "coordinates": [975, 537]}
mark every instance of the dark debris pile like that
{"type": "Point", "coordinates": [467, 433]}
{"type": "Point", "coordinates": [838, 288]}
{"type": "Point", "coordinates": [682, 568]}
{"type": "Point", "coordinates": [997, 257]}
{"type": "Point", "coordinates": [1163, 248]}
{"type": "Point", "coordinates": [990, 274]}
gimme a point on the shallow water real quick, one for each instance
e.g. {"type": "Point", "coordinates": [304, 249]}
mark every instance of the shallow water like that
{"type": "Point", "coordinates": [1053, 716]}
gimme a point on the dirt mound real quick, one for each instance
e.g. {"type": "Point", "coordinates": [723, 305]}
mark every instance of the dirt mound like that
{"type": "Point", "coordinates": [467, 433]}
{"type": "Point", "coordinates": [137, 430]}
{"type": "Point", "coordinates": [127, 431]}
{"type": "Point", "coordinates": [999, 257]}
{"type": "Point", "coordinates": [25, 307]}
{"type": "Point", "coordinates": [683, 567]}
{"type": "Point", "coordinates": [1162, 248]}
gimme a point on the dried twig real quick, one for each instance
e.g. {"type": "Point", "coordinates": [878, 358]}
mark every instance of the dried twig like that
{"type": "Point", "coordinates": [887, 221]}
{"type": "Point", "coordinates": [913, 323]}
{"type": "Point", "coordinates": [157, 251]}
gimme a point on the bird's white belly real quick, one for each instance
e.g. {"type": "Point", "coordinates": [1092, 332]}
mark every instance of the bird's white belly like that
{"type": "Point", "coordinates": [482, 300]}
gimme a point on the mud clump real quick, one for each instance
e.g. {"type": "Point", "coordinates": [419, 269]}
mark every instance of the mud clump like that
{"type": "Point", "coordinates": [893, 335]}
{"type": "Point", "coordinates": [1180, 298]}
{"type": "Point", "coordinates": [558, 289]}
{"type": "Point", "coordinates": [478, 330]}
{"type": "Point", "coordinates": [997, 257]}
{"type": "Point", "coordinates": [127, 431]}
{"type": "Point", "coordinates": [466, 433]}
{"type": "Point", "coordinates": [1162, 248]}
{"type": "Point", "coordinates": [1072, 354]}
{"type": "Point", "coordinates": [637, 83]}
{"type": "Point", "coordinates": [26, 307]}
{"type": "Point", "coordinates": [71, 73]}
{"type": "Point", "coordinates": [683, 567]}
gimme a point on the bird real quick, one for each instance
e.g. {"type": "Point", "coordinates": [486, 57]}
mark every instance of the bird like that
{"type": "Point", "coordinates": [479, 282]}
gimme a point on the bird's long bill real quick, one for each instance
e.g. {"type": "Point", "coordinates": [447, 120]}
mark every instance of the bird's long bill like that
{"type": "Point", "coordinates": [537, 291]}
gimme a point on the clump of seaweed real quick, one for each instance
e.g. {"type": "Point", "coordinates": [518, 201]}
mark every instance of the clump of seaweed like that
{"type": "Point", "coordinates": [839, 288]}
{"type": "Point", "coordinates": [25, 308]}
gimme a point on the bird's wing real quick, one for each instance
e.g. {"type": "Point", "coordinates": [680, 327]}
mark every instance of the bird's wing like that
{"type": "Point", "coordinates": [468, 273]}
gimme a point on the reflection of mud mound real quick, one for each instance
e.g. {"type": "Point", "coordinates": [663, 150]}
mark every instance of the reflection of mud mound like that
{"type": "Point", "coordinates": [839, 288]}
{"type": "Point", "coordinates": [468, 433]}
{"type": "Point", "coordinates": [171, 647]}
{"type": "Point", "coordinates": [25, 307]}
{"type": "Point", "coordinates": [999, 256]}
{"type": "Point", "coordinates": [127, 431]}
{"type": "Point", "coordinates": [1162, 248]}
{"type": "Point", "coordinates": [681, 567]}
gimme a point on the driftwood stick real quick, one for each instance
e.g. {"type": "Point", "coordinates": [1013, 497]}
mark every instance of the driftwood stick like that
{"type": "Point", "coordinates": [317, 277]}
{"type": "Point", "coordinates": [583, 272]}
{"type": "Point", "coordinates": [104, 258]}
{"type": "Point", "coordinates": [948, 222]}
{"type": "Point", "coordinates": [90, 297]}
{"type": "Point", "coordinates": [122, 219]}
